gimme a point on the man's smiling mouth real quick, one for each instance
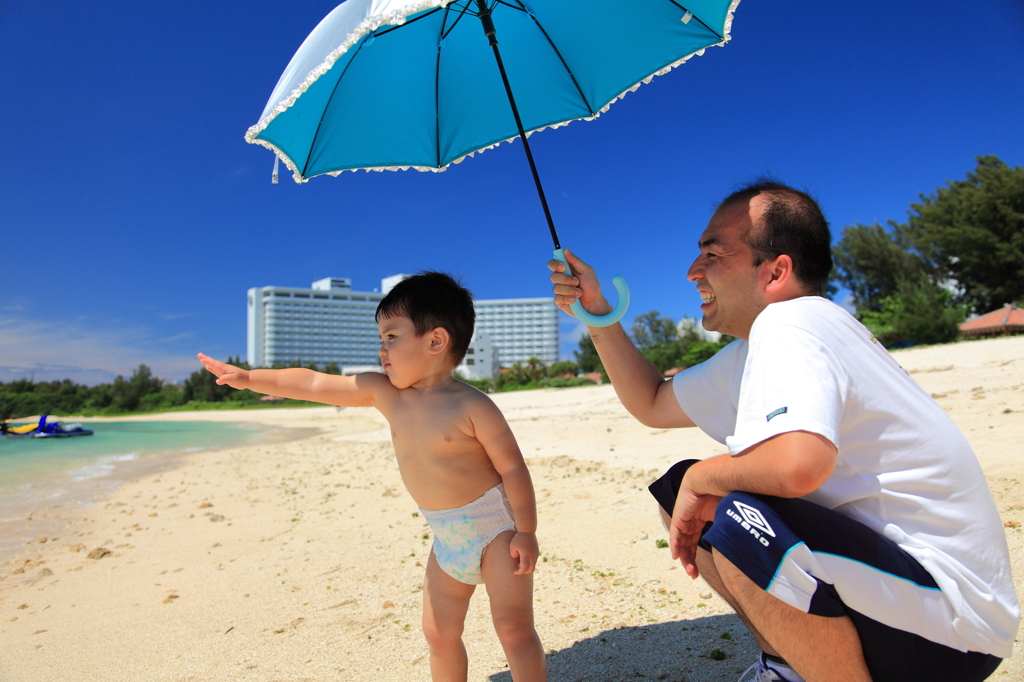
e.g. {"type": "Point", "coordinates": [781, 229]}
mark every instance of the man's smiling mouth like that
{"type": "Point", "coordinates": [706, 296]}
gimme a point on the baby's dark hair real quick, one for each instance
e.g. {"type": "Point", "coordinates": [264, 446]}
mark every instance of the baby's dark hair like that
{"type": "Point", "coordinates": [431, 300]}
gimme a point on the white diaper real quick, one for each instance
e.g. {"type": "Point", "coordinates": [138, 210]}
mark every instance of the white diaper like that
{"type": "Point", "coordinates": [461, 535]}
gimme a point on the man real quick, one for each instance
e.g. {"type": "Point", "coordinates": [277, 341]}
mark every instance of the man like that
{"type": "Point", "coordinates": [850, 524]}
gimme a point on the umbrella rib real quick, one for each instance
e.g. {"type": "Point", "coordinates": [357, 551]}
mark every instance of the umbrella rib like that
{"type": "Point", "coordinates": [586, 102]}
{"type": "Point", "coordinates": [465, 8]}
{"type": "Point", "coordinates": [320, 123]}
{"type": "Point", "coordinates": [720, 36]}
{"type": "Point", "coordinates": [437, 97]}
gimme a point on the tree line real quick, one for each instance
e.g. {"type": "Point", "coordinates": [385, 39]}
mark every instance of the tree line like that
{"type": "Point", "coordinates": [665, 343]}
{"type": "Point", "coordinates": [532, 374]}
{"type": "Point", "coordinates": [142, 392]}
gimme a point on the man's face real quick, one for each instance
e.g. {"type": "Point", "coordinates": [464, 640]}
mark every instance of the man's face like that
{"type": "Point", "coordinates": [726, 278]}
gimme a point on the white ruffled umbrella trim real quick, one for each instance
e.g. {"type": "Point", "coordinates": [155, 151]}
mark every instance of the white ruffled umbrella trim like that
{"type": "Point", "coordinates": [372, 23]}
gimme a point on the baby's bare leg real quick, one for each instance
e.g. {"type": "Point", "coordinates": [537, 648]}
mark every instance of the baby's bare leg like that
{"type": "Point", "coordinates": [445, 602]}
{"type": "Point", "coordinates": [512, 611]}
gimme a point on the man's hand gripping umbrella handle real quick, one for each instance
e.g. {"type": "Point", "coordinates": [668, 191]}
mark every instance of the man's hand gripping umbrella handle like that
{"type": "Point", "coordinates": [598, 320]}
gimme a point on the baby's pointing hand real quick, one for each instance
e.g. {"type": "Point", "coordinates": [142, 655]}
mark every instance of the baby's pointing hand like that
{"type": "Point", "coordinates": [524, 547]}
{"type": "Point", "coordinates": [235, 377]}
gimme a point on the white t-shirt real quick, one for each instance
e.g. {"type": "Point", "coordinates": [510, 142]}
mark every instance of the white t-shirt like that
{"type": "Point", "coordinates": [904, 469]}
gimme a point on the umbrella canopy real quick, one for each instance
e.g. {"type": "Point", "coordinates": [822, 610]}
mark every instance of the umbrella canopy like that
{"type": "Point", "coordinates": [398, 84]}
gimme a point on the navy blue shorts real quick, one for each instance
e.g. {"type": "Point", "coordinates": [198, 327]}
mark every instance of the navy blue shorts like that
{"type": "Point", "coordinates": [827, 564]}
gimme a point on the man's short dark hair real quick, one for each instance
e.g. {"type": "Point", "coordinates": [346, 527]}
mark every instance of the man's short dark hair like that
{"type": "Point", "coordinates": [792, 224]}
{"type": "Point", "coordinates": [431, 300]}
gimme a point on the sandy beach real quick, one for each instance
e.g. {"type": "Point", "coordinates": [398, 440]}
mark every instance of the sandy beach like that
{"type": "Point", "coordinates": [303, 560]}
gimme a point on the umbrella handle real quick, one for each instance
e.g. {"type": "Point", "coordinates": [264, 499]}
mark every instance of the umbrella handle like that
{"type": "Point", "coordinates": [598, 320]}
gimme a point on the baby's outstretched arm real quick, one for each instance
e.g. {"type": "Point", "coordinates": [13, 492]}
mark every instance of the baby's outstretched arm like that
{"type": "Point", "coordinates": [361, 390]}
{"type": "Point", "coordinates": [496, 437]}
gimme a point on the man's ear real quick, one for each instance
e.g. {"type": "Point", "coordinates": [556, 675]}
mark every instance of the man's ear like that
{"type": "Point", "coordinates": [440, 340]}
{"type": "Point", "coordinates": [780, 275]}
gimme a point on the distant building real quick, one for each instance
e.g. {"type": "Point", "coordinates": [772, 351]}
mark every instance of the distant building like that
{"type": "Point", "coordinates": [481, 361]}
{"type": "Point", "coordinates": [388, 283]}
{"type": "Point", "coordinates": [521, 328]}
{"type": "Point", "coordinates": [336, 283]}
{"type": "Point", "coordinates": [330, 322]}
{"type": "Point", "coordinates": [1002, 322]}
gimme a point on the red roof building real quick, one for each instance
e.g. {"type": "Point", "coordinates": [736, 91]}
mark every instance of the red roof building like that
{"type": "Point", "coordinates": [1007, 320]}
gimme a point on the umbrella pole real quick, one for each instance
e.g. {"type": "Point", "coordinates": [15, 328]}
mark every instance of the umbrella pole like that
{"type": "Point", "coordinates": [485, 19]}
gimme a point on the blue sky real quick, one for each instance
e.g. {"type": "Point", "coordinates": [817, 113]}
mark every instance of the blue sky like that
{"type": "Point", "coordinates": [134, 216]}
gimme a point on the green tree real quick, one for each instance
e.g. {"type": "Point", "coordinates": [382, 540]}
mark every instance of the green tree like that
{"type": "Point", "coordinates": [563, 367]}
{"type": "Point", "coordinates": [535, 370]}
{"type": "Point", "coordinates": [512, 375]}
{"type": "Point", "coordinates": [871, 259]}
{"type": "Point", "coordinates": [972, 231]}
{"type": "Point", "coordinates": [919, 312]}
{"type": "Point", "coordinates": [587, 357]}
{"type": "Point", "coordinates": [700, 351]}
{"type": "Point", "coordinates": [651, 329]}
{"type": "Point", "coordinates": [127, 394]}
{"type": "Point", "coordinates": [659, 341]}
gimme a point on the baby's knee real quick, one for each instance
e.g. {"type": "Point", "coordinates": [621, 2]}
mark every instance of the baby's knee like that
{"type": "Point", "coordinates": [514, 628]}
{"type": "Point", "coordinates": [440, 635]}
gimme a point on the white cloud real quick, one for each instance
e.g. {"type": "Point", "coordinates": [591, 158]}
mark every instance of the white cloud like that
{"type": "Point", "coordinates": [62, 350]}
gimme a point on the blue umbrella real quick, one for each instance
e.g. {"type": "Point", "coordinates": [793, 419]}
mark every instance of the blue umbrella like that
{"type": "Point", "coordinates": [399, 84]}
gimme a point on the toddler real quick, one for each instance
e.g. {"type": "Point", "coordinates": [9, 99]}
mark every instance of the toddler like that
{"type": "Point", "coordinates": [458, 459]}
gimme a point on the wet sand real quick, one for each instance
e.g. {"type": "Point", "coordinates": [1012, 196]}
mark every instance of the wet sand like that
{"type": "Point", "coordinates": [303, 560]}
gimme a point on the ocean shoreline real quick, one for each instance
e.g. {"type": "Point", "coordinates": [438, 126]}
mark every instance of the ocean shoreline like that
{"type": "Point", "coordinates": [33, 513]}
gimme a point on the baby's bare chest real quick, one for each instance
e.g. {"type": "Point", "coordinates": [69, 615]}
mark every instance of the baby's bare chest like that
{"type": "Point", "coordinates": [437, 430]}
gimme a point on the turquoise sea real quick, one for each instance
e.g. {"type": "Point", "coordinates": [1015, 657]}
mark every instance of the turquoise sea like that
{"type": "Point", "coordinates": [24, 460]}
{"type": "Point", "coordinates": [62, 474]}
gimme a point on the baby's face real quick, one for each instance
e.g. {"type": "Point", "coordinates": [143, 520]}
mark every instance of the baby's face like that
{"type": "Point", "coordinates": [404, 355]}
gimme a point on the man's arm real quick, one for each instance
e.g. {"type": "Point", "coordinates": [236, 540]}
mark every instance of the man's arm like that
{"type": "Point", "coordinates": [791, 464]}
{"type": "Point", "coordinates": [641, 388]}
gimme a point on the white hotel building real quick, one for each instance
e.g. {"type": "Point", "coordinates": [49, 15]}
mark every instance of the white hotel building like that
{"type": "Point", "coordinates": [330, 322]}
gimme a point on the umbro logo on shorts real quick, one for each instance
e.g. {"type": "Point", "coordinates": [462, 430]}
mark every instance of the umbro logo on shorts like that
{"type": "Point", "coordinates": [752, 520]}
